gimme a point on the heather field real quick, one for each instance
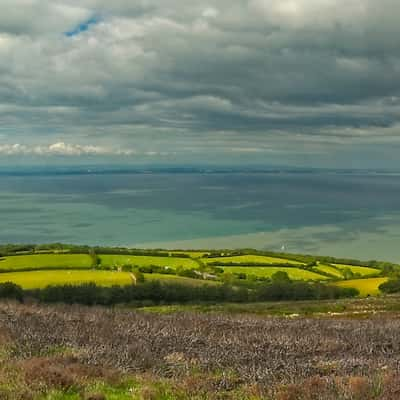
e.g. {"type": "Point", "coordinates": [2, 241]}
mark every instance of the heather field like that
{"type": "Point", "coordinates": [74, 352]}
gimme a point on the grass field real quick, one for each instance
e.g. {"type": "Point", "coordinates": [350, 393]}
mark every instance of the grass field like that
{"type": "Point", "coordinates": [40, 279]}
{"type": "Point", "coordinates": [178, 279]}
{"type": "Point", "coordinates": [174, 262]}
{"type": "Point", "coordinates": [294, 273]}
{"type": "Point", "coordinates": [193, 254]}
{"type": "Point", "coordinates": [329, 270]}
{"type": "Point", "coordinates": [252, 259]}
{"type": "Point", "coordinates": [368, 286]}
{"type": "Point", "coordinates": [363, 271]}
{"type": "Point", "coordinates": [40, 261]}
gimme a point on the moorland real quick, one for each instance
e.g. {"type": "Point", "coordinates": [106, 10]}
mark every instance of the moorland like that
{"type": "Point", "coordinates": [80, 322]}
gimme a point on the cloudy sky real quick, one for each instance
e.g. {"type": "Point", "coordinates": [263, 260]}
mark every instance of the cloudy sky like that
{"type": "Point", "coordinates": [297, 82]}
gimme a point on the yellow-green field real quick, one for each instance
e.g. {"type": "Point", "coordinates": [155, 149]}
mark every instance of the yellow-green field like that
{"type": "Point", "coordinates": [119, 260]}
{"type": "Point", "coordinates": [251, 259]}
{"type": "Point", "coordinates": [368, 286]}
{"type": "Point", "coordinates": [363, 271]}
{"type": "Point", "coordinates": [38, 261]}
{"type": "Point", "coordinates": [329, 270]}
{"type": "Point", "coordinates": [41, 279]}
{"type": "Point", "coordinates": [267, 272]}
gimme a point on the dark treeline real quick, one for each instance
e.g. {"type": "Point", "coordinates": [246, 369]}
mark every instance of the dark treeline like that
{"type": "Point", "coordinates": [391, 286]}
{"type": "Point", "coordinates": [16, 249]}
{"type": "Point", "coordinates": [156, 292]}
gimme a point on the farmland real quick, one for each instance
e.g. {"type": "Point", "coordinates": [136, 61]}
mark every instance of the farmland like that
{"type": "Point", "coordinates": [36, 269]}
{"type": "Point", "coordinates": [328, 269]}
{"type": "Point", "coordinates": [363, 271]}
{"type": "Point", "coordinates": [41, 279]}
{"type": "Point", "coordinates": [251, 259]}
{"type": "Point", "coordinates": [192, 325]}
{"type": "Point", "coordinates": [369, 286]}
{"type": "Point", "coordinates": [267, 272]}
{"type": "Point", "coordinates": [44, 261]}
{"type": "Point", "coordinates": [177, 279]}
{"type": "Point", "coordinates": [173, 262]}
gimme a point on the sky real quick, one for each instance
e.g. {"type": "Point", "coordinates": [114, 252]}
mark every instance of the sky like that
{"type": "Point", "coordinates": [235, 82]}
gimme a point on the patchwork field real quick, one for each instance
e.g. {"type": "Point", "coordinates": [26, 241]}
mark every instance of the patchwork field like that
{"type": "Point", "coordinates": [41, 279]}
{"type": "Point", "coordinates": [368, 286]}
{"type": "Point", "coordinates": [119, 260]}
{"type": "Point", "coordinates": [251, 259]}
{"type": "Point", "coordinates": [363, 271]}
{"type": "Point", "coordinates": [329, 270]}
{"type": "Point", "coordinates": [36, 270]}
{"type": "Point", "coordinates": [294, 273]}
{"type": "Point", "coordinates": [45, 261]}
{"type": "Point", "coordinates": [178, 279]}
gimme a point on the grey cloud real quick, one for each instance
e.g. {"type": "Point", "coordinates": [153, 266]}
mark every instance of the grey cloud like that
{"type": "Point", "coordinates": [181, 74]}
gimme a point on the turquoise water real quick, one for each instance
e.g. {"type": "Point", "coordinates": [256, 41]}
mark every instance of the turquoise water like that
{"type": "Point", "coordinates": [353, 215]}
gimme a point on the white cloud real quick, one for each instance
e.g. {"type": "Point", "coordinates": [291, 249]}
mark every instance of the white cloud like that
{"type": "Point", "coordinates": [210, 12]}
{"type": "Point", "coordinates": [62, 149]}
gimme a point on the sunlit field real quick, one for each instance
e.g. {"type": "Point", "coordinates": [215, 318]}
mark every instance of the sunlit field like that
{"type": "Point", "coordinates": [368, 286]}
{"type": "Point", "coordinates": [294, 273]}
{"type": "Point", "coordinates": [119, 260]}
{"type": "Point", "coordinates": [40, 261]}
{"type": "Point", "coordinates": [41, 279]}
{"type": "Point", "coordinates": [252, 259]}
{"type": "Point", "coordinates": [363, 271]}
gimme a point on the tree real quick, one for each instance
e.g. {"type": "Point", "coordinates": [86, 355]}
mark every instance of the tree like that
{"type": "Point", "coordinates": [95, 258]}
{"type": "Point", "coordinates": [280, 277]}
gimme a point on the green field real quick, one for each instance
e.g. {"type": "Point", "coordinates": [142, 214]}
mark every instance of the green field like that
{"type": "Point", "coordinates": [251, 259]}
{"type": "Point", "coordinates": [41, 279]}
{"type": "Point", "coordinates": [193, 254]}
{"type": "Point", "coordinates": [267, 272]}
{"type": "Point", "coordinates": [45, 261]}
{"type": "Point", "coordinates": [329, 270]}
{"type": "Point", "coordinates": [110, 260]}
{"type": "Point", "coordinates": [363, 271]}
{"type": "Point", "coordinates": [368, 286]}
{"type": "Point", "coordinates": [178, 279]}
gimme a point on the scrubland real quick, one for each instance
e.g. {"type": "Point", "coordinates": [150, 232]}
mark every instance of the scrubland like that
{"type": "Point", "coordinates": [75, 352]}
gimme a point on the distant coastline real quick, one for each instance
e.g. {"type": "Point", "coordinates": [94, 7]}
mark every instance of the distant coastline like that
{"type": "Point", "coordinates": [55, 170]}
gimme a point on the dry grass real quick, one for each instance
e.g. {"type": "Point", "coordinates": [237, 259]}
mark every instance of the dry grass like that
{"type": "Point", "coordinates": [258, 350]}
{"type": "Point", "coordinates": [196, 356]}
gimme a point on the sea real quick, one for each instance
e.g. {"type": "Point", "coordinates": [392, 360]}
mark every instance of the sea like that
{"type": "Point", "coordinates": [353, 214]}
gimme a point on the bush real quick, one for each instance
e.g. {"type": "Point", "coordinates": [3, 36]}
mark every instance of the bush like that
{"type": "Point", "coordinates": [10, 290]}
{"type": "Point", "coordinates": [391, 286]}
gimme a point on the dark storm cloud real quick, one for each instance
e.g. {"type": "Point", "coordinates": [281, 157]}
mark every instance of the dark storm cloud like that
{"type": "Point", "coordinates": [170, 75]}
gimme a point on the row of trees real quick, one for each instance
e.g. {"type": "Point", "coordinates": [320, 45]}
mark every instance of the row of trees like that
{"type": "Point", "coordinates": [279, 288]}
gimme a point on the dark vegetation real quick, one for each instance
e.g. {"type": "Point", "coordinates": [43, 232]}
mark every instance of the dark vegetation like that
{"type": "Point", "coordinates": [391, 286]}
{"type": "Point", "coordinates": [195, 356]}
{"type": "Point", "coordinates": [156, 292]}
